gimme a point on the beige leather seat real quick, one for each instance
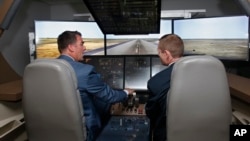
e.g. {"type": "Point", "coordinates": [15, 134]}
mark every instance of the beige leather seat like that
{"type": "Point", "coordinates": [51, 102]}
{"type": "Point", "coordinates": [199, 105]}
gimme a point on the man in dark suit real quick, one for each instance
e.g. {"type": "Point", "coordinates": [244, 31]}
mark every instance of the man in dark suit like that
{"type": "Point", "coordinates": [91, 87]}
{"type": "Point", "coordinates": [170, 49]}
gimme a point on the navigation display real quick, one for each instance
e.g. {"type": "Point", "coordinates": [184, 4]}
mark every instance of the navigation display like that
{"type": "Point", "coordinates": [110, 68]}
{"type": "Point", "coordinates": [156, 66]}
{"type": "Point", "coordinates": [121, 72]}
{"type": "Point", "coordinates": [137, 72]}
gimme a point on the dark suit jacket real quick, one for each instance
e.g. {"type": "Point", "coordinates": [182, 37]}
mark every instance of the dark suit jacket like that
{"type": "Point", "coordinates": [158, 87]}
{"type": "Point", "coordinates": [93, 89]}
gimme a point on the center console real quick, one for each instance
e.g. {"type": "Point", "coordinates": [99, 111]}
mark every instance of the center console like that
{"type": "Point", "coordinates": [128, 121]}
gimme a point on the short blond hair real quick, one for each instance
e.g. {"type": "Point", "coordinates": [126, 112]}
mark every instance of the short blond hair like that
{"type": "Point", "coordinates": [173, 43]}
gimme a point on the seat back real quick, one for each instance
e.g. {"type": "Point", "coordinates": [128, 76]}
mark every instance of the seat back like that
{"type": "Point", "coordinates": [51, 102]}
{"type": "Point", "coordinates": [198, 103]}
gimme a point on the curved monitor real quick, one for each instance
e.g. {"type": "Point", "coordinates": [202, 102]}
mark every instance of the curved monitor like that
{"type": "Point", "coordinates": [136, 44]}
{"type": "Point", "coordinates": [46, 33]}
{"type": "Point", "coordinates": [222, 37]}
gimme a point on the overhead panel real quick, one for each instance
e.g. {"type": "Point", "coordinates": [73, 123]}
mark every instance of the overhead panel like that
{"type": "Point", "coordinates": [126, 16]}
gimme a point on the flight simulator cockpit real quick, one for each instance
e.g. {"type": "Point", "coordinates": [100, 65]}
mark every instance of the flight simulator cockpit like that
{"type": "Point", "coordinates": [128, 118]}
{"type": "Point", "coordinates": [129, 61]}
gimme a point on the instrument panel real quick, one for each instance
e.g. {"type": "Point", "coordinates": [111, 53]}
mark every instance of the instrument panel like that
{"type": "Point", "coordinates": [126, 128]}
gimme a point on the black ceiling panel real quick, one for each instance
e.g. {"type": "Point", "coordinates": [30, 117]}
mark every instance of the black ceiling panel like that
{"type": "Point", "coordinates": [126, 16]}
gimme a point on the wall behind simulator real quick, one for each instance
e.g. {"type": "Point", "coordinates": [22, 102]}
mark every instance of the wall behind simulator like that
{"type": "Point", "coordinates": [222, 37]}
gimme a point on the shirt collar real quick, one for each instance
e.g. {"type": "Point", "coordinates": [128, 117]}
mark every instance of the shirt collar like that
{"type": "Point", "coordinates": [171, 63]}
{"type": "Point", "coordinates": [69, 56]}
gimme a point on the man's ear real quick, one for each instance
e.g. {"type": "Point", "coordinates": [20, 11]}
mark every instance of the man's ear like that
{"type": "Point", "coordinates": [71, 48]}
{"type": "Point", "coordinates": [168, 54]}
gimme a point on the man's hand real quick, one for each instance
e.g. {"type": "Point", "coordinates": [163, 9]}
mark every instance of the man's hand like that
{"type": "Point", "coordinates": [130, 91]}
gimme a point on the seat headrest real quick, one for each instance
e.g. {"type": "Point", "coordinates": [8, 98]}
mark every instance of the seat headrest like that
{"type": "Point", "coordinates": [198, 102]}
{"type": "Point", "coordinates": [51, 102]}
